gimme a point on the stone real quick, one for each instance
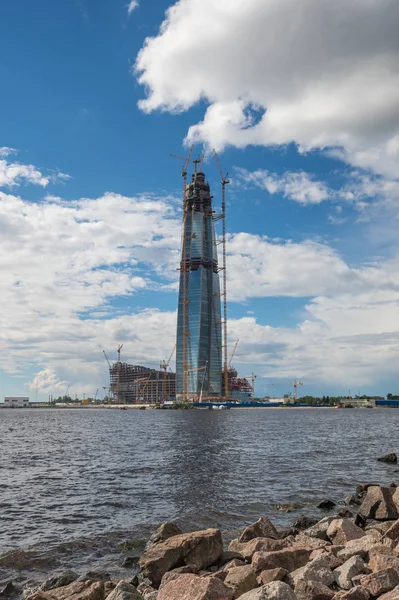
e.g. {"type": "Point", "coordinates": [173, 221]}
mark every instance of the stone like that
{"type": "Point", "coordinates": [383, 561]}
{"type": "Point", "coordinates": [170, 575]}
{"type": "Point", "coordinates": [319, 530]}
{"type": "Point", "coordinates": [360, 547]}
{"type": "Point", "coordinates": [191, 587]}
{"type": "Point", "coordinates": [236, 562]}
{"type": "Point", "coordinates": [312, 590]}
{"type": "Point", "coordinates": [289, 559]}
{"type": "Point", "coordinates": [304, 522]}
{"type": "Point", "coordinates": [380, 549]}
{"type": "Point", "coordinates": [10, 590]}
{"type": "Point", "coordinates": [356, 593]}
{"type": "Point", "coordinates": [318, 570]}
{"type": "Point", "coordinates": [228, 556]}
{"type": "Point", "coordinates": [270, 575]}
{"type": "Point", "coordinates": [164, 532]}
{"type": "Point", "coordinates": [378, 504]}
{"type": "Point", "coordinates": [78, 590]}
{"type": "Point", "coordinates": [287, 508]}
{"type": "Point", "coordinates": [95, 576]}
{"type": "Point", "coordinates": [393, 532]}
{"type": "Point", "coordinates": [198, 549]}
{"type": "Point", "coordinates": [393, 595]}
{"type": "Point", "coordinates": [344, 513]}
{"type": "Point", "coordinates": [342, 531]}
{"type": "Point", "coordinates": [390, 458]}
{"type": "Point", "coordinates": [285, 532]}
{"type": "Point", "coordinates": [332, 561]}
{"type": "Point", "coordinates": [310, 542]}
{"type": "Point", "coordinates": [248, 549]}
{"type": "Point", "coordinates": [380, 582]}
{"type": "Point", "coordinates": [146, 590]}
{"type": "Point", "coordinates": [295, 576]}
{"type": "Point", "coordinates": [241, 580]}
{"type": "Point", "coordinates": [276, 590]}
{"type": "Point", "coordinates": [325, 504]}
{"type": "Point", "coordinates": [262, 528]}
{"type": "Point", "coordinates": [352, 500]}
{"type": "Point", "coordinates": [345, 573]}
{"type": "Point", "coordinates": [124, 591]}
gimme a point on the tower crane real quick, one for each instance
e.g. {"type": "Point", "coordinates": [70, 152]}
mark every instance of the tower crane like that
{"type": "Point", "coordinates": [224, 181]}
{"type": "Point", "coordinates": [119, 373]}
{"type": "Point", "coordinates": [295, 384]}
{"type": "Point", "coordinates": [138, 381]}
{"type": "Point", "coordinates": [233, 353]}
{"type": "Point", "coordinates": [164, 365]}
{"type": "Point", "coordinates": [252, 377]}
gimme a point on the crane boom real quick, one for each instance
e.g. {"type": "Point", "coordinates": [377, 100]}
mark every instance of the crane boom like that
{"type": "Point", "coordinates": [233, 353]}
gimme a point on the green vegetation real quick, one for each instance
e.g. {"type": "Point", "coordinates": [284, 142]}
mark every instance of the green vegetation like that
{"type": "Point", "coordinates": [183, 405]}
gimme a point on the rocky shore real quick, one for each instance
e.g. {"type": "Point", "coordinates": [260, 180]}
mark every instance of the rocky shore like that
{"type": "Point", "coordinates": [352, 555]}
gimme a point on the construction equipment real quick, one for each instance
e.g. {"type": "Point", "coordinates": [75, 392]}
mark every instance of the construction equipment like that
{"type": "Point", "coordinates": [138, 381]}
{"type": "Point", "coordinates": [164, 365]}
{"type": "Point", "coordinates": [295, 385]}
{"type": "Point", "coordinates": [224, 181]}
{"type": "Point", "coordinates": [233, 353]}
{"type": "Point", "coordinates": [106, 358]}
{"type": "Point", "coordinates": [252, 377]}
{"type": "Point", "coordinates": [119, 373]}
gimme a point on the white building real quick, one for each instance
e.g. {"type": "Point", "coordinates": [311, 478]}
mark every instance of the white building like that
{"type": "Point", "coordinates": [16, 401]}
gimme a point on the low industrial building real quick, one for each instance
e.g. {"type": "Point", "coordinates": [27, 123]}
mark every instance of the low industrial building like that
{"type": "Point", "coordinates": [16, 402]}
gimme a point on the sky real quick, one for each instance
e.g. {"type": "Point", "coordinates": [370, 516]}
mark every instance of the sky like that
{"type": "Point", "coordinates": [301, 100]}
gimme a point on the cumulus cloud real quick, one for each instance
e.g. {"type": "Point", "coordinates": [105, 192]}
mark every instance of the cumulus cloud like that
{"type": "Point", "coordinates": [13, 173]}
{"type": "Point", "coordinates": [133, 4]}
{"type": "Point", "coordinates": [298, 186]}
{"type": "Point", "coordinates": [319, 74]}
{"type": "Point", "coordinates": [47, 381]}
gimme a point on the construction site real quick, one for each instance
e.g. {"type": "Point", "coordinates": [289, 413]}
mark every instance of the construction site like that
{"type": "Point", "coordinates": [204, 371]}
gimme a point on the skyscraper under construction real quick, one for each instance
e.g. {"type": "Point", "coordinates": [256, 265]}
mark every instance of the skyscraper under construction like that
{"type": "Point", "coordinates": [199, 324]}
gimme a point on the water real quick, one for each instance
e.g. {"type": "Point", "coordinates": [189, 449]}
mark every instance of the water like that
{"type": "Point", "coordinates": [81, 488]}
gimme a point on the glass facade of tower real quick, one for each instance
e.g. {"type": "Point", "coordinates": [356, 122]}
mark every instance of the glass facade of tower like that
{"type": "Point", "coordinates": [199, 291]}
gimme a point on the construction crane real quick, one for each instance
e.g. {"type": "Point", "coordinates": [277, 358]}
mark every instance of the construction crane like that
{"type": "Point", "coordinates": [138, 381]}
{"type": "Point", "coordinates": [252, 377]}
{"type": "Point", "coordinates": [295, 384]}
{"type": "Point", "coordinates": [164, 365]}
{"type": "Point", "coordinates": [119, 373]}
{"type": "Point", "coordinates": [224, 181]}
{"type": "Point", "coordinates": [233, 353]}
{"type": "Point", "coordinates": [106, 358]}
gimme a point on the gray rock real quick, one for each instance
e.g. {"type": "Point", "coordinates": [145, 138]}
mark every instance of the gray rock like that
{"type": "Point", "coordinates": [277, 590]}
{"type": "Point", "coordinates": [325, 504]}
{"type": "Point", "coordinates": [345, 573]}
{"type": "Point", "coordinates": [318, 570]}
{"type": "Point", "coordinates": [262, 528]}
{"type": "Point", "coordinates": [390, 458]}
{"type": "Point", "coordinates": [60, 580]}
{"type": "Point", "coordinates": [312, 590]}
{"type": "Point", "coordinates": [10, 590]}
{"type": "Point", "coordinates": [164, 532]}
{"type": "Point", "coordinates": [319, 530]}
{"type": "Point", "coordinates": [124, 591]}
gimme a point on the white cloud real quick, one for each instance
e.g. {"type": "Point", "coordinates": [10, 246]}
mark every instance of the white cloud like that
{"type": "Point", "coordinates": [298, 186]}
{"type": "Point", "coordinates": [133, 4]}
{"type": "Point", "coordinates": [47, 381]}
{"type": "Point", "coordinates": [13, 173]}
{"type": "Point", "coordinates": [320, 74]}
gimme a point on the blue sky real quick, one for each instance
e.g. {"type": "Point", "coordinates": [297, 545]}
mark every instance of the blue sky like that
{"type": "Point", "coordinates": [301, 104]}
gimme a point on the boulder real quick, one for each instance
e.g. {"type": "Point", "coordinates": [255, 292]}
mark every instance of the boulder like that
{"type": "Point", "coordinates": [345, 573]}
{"type": "Point", "coordinates": [228, 556]}
{"type": "Point", "coordinates": [59, 580]}
{"type": "Point", "coordinates": [325, 504]}
{"type": "Point", "coordinates": [379, 504]}
{"type": "Point", "coordinates": [383, 561]}
{"type": "Point", "coordinates": [344, 513]}
{"type": "Point", "coordinates": [356, 593]}
{"type": "Point", "coordinates": [310, 542]}
{"type": "Point", "coordinates": [289, 559]}
{"type": "Point", "coordinates": [380, 582]}
{"type": "Point", "coordinates": [381, 549]}
{"type": "Point", "coordinates": [332, 561]}
{"type": "Point", "coordinates": [9, 590]}
{"type": "Point", "coordinates": [191, 587]}
{"type": "Point", "coordinates": [312, 590]}
{"type": "Point", "coordinates": [390, 458]}
{"type": "Point", "coordinates": [248, 549]}
{"type": "Point", "coordinates": [198, 549]}
{"type": "Point", "coordinates": [342, 531]}
{"type": "Point", "coordinates": [393, 532]}
{"type": "Point", "coordinates": [276, 590]}
{"type": "Point", "coordinates": [295, 576]}
{"type": "Point", "coordinates": [95, 576]}
{"type": "Point", "coordinates": [319, 530]}
{"type": "Point", "coordinates": [78, 590]}
{"type": "Point", "coordinates": [270, 575]}
{"type": "Point", "coordinates": [394, 595]}
{"type": "Point", "coordinates": [304, 522]}
{"type": "Point", "coordinates": [170, 575]}
{"type": "Point", "coordinates": [241, 580]}
{"type": "Point", "coordinates": [318, 570]}
{"type": "Point", "coordinates": [262, 528]}
{"type": "Point", "coordinates": [236, 562]}
{"type": "Point", "coordinates": [146, 590]}
{"type": "Point", "coordinates": [358, 547]}
{"type": "Point", "coordinates": [164, 532]}
{"type": "Point", "coordinates": [124, 591]}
